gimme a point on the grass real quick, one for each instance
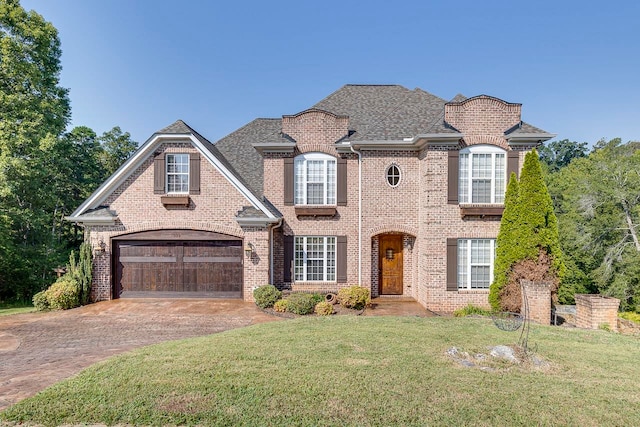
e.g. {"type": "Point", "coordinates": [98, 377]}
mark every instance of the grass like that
{"type": "Point", "coordinates": [357, 371]}
{"type": "Point", "coordinates": [15, 308]}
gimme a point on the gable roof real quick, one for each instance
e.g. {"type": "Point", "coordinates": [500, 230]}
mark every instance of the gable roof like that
{"type": "Point", "coordinates": [206, 148]}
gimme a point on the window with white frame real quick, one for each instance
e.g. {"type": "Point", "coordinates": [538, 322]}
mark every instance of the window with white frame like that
{"type": "Point", "coordinates": [482, 174]}
{"type": "Point", "coordinates": [315, 259]}
{"type": "Point", "coordinates": [475, 263]}
{"type": "Point", "coordinates": [177, 173]}
{"type": "Point", "coordinates": [315, 179]}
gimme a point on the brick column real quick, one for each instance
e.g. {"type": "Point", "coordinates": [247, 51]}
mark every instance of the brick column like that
{"type": "Point", "coordinates": [593, 311]}
{"type": "Point", "coordinates": [539, 296]}
{"type": "Point", "coordinates": [256, 263]}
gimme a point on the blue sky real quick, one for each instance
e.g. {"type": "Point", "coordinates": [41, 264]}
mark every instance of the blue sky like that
{"type": "Point", "coordinates": [140, 65]}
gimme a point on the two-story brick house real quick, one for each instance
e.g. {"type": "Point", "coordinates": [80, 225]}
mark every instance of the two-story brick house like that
{"type": "Point", "coordinates": [390, 188]}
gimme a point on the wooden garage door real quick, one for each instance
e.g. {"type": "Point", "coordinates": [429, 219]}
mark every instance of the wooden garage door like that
{"type": "Point", "coordinates": [178, 269]}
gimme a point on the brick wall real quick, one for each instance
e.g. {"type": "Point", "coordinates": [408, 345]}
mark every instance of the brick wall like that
{"type": "Point", "coordinates": [214, 209]}
{"type": "Point", "coordinates": [538, 295]}
{"type": "Point", "coordinates": [594, 311]}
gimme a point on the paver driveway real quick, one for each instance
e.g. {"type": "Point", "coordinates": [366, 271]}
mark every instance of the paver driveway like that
{"type": "Point", "coordinates": [40, 349]}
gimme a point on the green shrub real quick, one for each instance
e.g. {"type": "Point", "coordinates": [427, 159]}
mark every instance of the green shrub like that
{"type": "Point", "coordinates": [281, 305]}
{"type": "Point", "coordinates": [318, 297]}
{"type": "Point", "coordinates": [267, 295]}
{"type": "Point", "coordinates": [355, 297]}
{"type": "Point", "coordinates": [630, 316]}
{"type": "Point", "coordinates": [40, 301]}
{"type": "Point", "coordinates": [301, 303]}
{"type": "Point", "coordinates": [471, 310]}
{"type": "Point", "coordinates": [323, 308]}
{"type": "Point", "coordinates": [63, 294]}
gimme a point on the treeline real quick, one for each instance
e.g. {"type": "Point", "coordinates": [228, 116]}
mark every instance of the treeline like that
{"type": "Point", "coordinates": [45, 171]}
{"type": "Point", "coordinates": [596, 196]}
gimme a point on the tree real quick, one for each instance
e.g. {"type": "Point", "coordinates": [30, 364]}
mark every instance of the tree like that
{"type": "Point", "coordinates": [530, 231]}
{"type": "Point", "coordinates": [34, 111]}
{"type": "Point", "coordinates": [117, 148]}
{"type": "Point", "coordinates": [599, 211]}
{"type": "Point", "coordinates": [558, 154]}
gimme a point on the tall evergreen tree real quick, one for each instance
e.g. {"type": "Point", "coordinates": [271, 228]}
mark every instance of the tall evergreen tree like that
{"type": "Point", "coordinates": [530, 242]}
{"type": "Point", "coordinates": [506, 243]}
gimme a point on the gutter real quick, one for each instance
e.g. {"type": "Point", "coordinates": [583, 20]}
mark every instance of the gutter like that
{"type": "Point", "coordinates": [359, 214]}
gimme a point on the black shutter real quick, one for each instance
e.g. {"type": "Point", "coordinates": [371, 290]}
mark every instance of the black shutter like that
{"type": "Point", "coordinates": [341, 182]}
{"type": "Point", "coordinates": [288, 181]}
{"type": "Point", "coordinates": [194, 173]}
{"type": "Point", "coordinates": [288, 258]}
{"type": "Point", "coordinates": [452, 186]}
{"type": "Point", "coordinates": [513, 163]}
{"type": "Point", "coordinates": [452, 264]}
{"type": "Point", "coordinates": [159, 174]}
{"type": "Point", "coordinates": [341, 259]}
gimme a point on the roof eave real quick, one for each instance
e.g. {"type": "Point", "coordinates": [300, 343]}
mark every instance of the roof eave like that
{"type": "Point", "coordinates": [256, 222]}
{"type": "Point", "coordinates": [415, 143]}
{"type": "Point", "coordinates": [92, 220]}
{"type": "Point", "coordinates": [528, 138]}
{"type": "Point", "coordinates": [274, 147]}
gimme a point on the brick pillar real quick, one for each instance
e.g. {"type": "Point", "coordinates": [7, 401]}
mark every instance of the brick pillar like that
{"type": "Point", "coordinates": [256, 262]}
{"type": "Point", "coordinates": [539, 296]}
{"type": "Point", "coordinates": [593, 311]}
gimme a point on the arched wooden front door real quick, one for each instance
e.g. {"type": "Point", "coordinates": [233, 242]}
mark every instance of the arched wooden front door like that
{"type": "Point", "coordinates": [391, 264]}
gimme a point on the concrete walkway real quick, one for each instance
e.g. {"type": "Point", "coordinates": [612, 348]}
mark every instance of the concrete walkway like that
{"type": "Point", "coordinates": [40, 349]}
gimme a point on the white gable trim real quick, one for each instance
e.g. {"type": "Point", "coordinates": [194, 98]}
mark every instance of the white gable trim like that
{"type": "Point", "coordinates": [119, 176]}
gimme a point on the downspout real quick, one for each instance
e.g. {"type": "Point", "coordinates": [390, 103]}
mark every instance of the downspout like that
{"type": "Point", "coordinates": [359, 213]}
{"type": "Point", "coordinates": [278, 225]}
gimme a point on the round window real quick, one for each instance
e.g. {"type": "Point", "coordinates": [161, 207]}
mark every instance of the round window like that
{"type": "Point", "coordinates": [393, 175]}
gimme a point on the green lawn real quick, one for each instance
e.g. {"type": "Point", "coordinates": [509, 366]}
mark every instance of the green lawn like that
{"type": "Point", "coordinates": [7, 309]}
{"type": "Point", "coordinates": [355, 371]}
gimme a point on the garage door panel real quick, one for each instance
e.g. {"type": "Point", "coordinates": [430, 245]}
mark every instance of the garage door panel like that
{"type": "Point", "coordinates": [198, 268]}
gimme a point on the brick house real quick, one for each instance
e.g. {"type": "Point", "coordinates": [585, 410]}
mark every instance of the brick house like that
{"type": "Point", "coordinates": [393, 189]}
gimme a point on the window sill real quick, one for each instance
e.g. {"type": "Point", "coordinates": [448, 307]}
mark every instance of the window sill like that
{"type": "Point", "coordinates": [473, 291]}
{"type": "Point", "coordinates": [315, 210]}
{"type": "Point", "coordinates": [177, 200]}
{"type": "Point", "coordinates": [481, 210]}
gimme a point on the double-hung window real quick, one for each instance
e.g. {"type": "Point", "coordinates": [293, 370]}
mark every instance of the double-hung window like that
{"type": "Point", "coordinates": [315, 179]}
{"type": "Point", "coordinates": [315, 258]}
{"type": "Point", "coordinates": [482, 175]}
{"type": "Point", "coordinates": [475, 263]}
{"type": "Point", "coordinates": [177, 173]}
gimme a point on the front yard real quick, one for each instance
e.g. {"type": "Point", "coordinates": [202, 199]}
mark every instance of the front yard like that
{"type": "Point", "coordinates": [353, 371]}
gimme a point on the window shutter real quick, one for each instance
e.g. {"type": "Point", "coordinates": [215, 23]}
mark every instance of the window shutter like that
{"type": "Point", "coordinates": [288, 258]}
{"type": "Point", "coordinates": [288, 181]}
{"type": "Point", "coordinates": [341, 259]}
{"type": "Point", "coordinates": [194, 173]}
{"type": "Point", "coordinates": [513, 163]}
{"type": "Point", "coordinates": [159, 174]}
{"type": "Point", "coordinates": [453, 165]}
{"type": "Point", "coordinates": [452, 264]}
{"type": "Point", "coordinates": [341, 182]}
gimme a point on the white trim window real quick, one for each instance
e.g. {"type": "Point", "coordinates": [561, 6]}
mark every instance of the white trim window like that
{"type": "Point", "coordinates": [475, 263]}
{"type": "Point", "coordinates": [393, 175]}
{"type": "Point", "coordinates": [315, 179]}
{"type": "Point", "coordinates": [483, 174]}
{"type": "Point", "coordinates": [177, 173]}
{"type": "Point", "coordinates": [315, 259]}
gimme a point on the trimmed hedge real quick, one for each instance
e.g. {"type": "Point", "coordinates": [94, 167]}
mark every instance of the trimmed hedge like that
{"type": "Point", "coordinates": [355, 297]}
{"type": "Point", "coordinates": [301, 303]}
{"type": "Point", "coordinates": [267, 295]}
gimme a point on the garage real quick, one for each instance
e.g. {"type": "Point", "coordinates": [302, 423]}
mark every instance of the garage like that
{"type": "Point", "coordinates": [177, 264]}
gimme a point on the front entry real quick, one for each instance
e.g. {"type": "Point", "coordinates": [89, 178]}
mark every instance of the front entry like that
{"type": "Point", "coordinates": [390, 252]}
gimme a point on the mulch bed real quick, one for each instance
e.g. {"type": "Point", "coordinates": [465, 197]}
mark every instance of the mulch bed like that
{"type": "Point", "coordinates": [338, 310]}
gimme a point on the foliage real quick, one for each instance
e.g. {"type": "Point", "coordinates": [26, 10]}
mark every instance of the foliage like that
{"type": "Point", "coordinates": [598, 203]}
{"type": "Point", "coordinates": [471, 310]}
{"type": "Point", "coordinates": [530, 233]}
{"type": "Point", "coordinates": [45, 173]}
{"type": "Point", "coordinates": [558, 154]}
{"type": "Point", "coordinates": [630, 316]}
{"type": "Point", "coordinates": [301, 303]}
{"type": "Point", "coordinates": [355, 297]}
{"type": "Point", "coordinates": [281, 305]}
{"type": "Point", "coordinates": [41, 301]}
{"type": "Point", "coordinates": [265, 296]}
{"type": "Point", "coordinates": [337, 371]}
{"type": "Point", "coordinates": [323, 308]}
{"type": "Point", "coordinates": [85, 273]}
{"type": "Point", "coordinates": [317, 297]}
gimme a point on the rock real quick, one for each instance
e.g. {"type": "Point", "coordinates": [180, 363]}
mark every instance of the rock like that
{"type": "Point", "coordinates": [504, 352]}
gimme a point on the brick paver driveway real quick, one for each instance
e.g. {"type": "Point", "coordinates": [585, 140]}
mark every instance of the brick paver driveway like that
{"type": "Point", "coordinates": [40, 349]}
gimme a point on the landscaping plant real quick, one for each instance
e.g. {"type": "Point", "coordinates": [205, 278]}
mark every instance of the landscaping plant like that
{"type": "Point", "coordinates": [355, 297]}
{"type": "Point", "coordinates": [324, 308]}
{"type": "Point", "coordinates": [267, 295]}
{"type": "Point", "coordinates": [301, 303]}
{"type": "Point", "coordinates": [281, 305]}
